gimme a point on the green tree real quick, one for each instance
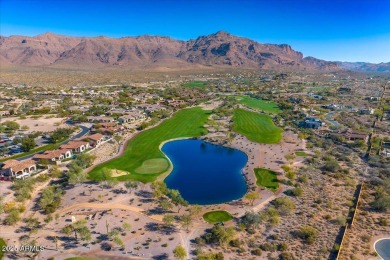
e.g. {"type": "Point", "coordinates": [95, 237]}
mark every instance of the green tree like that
{"type": "Point", "coordinates": [252, 196]}
{"type": "Point", "coordinates": [186, 221]}
{"type": "Point", "coordinates": [168, 220]}
{"type": "Point", "coordinates": [180, 252]}
{"type": "Point", "coordinates": [27, 144]}
{"type": "Point", "coordinates": [177, 199]}
{"type": "Point", "coordinates": [130, 185]}
{"type": "Point", "coordinates": [307, 233]}
{"type": "Point", "coordinates": [195, 210]}
{"type": "Point", "coordinates": [13, 217]}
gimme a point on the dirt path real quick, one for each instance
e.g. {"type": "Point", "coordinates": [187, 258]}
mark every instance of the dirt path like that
{"type": "Point", "coordinates": [109, 206]}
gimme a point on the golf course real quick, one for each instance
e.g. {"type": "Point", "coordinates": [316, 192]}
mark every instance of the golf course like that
{"type": "Point", "coordinates": [256, 127]}
{"type": "Point", "coordinates": [267, 179]}
{"type": "Point", "coordinates": [142, 158]}
{"type": "Point", "coordinates": [259, 104]}
{"type": "Point", "coordinates": [217, 216]}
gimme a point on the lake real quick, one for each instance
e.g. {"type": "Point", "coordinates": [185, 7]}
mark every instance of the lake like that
{"type": "Point", "coordinates": [382, 247]}
{"type": "Point", "coordinates": [205, 173]}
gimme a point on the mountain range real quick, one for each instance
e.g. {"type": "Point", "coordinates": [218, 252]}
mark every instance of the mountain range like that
{"type": "Point", "coordinates": [365, 66]}
{"type": "Point", "coordinates": [220, 49]}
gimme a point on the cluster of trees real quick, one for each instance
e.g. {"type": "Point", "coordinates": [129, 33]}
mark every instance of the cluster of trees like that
{"type": "Point", "coordinates": [24, 188]}
{"type": "Point", "coordinates": [60, 134]}
{"type": "Point", "coordinates": [217, 235]}
{"type": "Point", "coordinates": [50, 199]}
{"type": "Point", "coordinates": [382, 197]}
{"type": "Point", "coordinates": [168, 198]}
{"type": "Point", "coordinates": [76, 167]}
{"type": "Point", "coordinates": [79, 229]}
{"type": "Point", "coordinates": [9, 127]}
{"type": "Point", "coordinates": [271, 216]}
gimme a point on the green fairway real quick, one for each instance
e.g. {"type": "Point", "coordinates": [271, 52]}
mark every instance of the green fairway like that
{"type": "Point", "coordinates": [259, 104]}
{"type": "Point", "coordinates": [300, 153]}
{"type": "Point", "coordinates": [256, 127]}
{"type": "Point", "coordinates": [2, 244]}
{"type": "Point", "coordinates": [142, 157]}
{"type": "Point", "coordinates": [195, 84]}
{"type": "Point", "coordinates": [267, 179]}
{"type": "Point", "coordinates": [217, 216]}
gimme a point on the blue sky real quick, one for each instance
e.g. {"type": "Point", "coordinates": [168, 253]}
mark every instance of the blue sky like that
{"type": "Point", "coordinates": [345, 30]}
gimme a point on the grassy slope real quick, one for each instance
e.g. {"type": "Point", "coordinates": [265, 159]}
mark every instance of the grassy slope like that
{"type": "Point", "coordinates": [266, 178]}
{"type": "Point", "coordinates": [145, 146]}
{"type": "Point", "coordinates": [195, 84]}
{"type": "Point", "coordinates": [256, 127]}
{"type": "Point", "coordinates": [217, 216]}
{"type": "Point", "coordinates": [259, 104]}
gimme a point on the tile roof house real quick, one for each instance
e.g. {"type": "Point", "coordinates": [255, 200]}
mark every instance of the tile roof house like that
{"type": "Point", "coordinates": [18, 169]}
{"type": "Point", "coordinates": [94, 140]}
{"type": "Point", "coordinates": [131, 117]}
{"type": "Point", "coordinates": [54, 155]}
{"type": "Point", "coordinates": [76, 146]}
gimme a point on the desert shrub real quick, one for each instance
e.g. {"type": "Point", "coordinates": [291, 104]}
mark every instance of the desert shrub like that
{"type": "Point", "coordinates": [307, 233]}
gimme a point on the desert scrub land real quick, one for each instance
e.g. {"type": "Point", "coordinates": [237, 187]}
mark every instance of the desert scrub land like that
{"type": "Point", "coordinates": [267, 179]}
{"type": "Point", "coordinates": [371, 223]}
{"type": "Point", "coordinates": [259, 104]}
{"type": "Point", "coordinates": [256, 127]}
{"type": "Point", "coordinates": [145, 146]}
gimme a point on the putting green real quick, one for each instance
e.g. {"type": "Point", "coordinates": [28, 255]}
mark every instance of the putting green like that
{"type": "Point", "coordinates": [151, 166]}
{"type": "Point", "coordinates": [267, 179]}
{"type": "Point", "coordinates": [217, 216]}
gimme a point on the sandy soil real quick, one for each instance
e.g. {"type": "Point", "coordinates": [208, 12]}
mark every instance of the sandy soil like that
{"type": "Point", "coordinates": [42, 124]}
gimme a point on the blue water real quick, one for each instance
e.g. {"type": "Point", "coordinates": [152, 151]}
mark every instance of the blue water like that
{"type": "Point", "coordinates": [382, 247]}
{"type": "Point", "coordinates": [205, 173]}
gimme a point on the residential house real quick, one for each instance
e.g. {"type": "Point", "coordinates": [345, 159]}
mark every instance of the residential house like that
{"type": "Point", "coordinates": [54, 156]}
{"type": "Point", "coordinates": [76, 146]}
{"type": "Point", "coordinates": [100, 119]}
{"type": "Point", "coordinates": [131, 117]}
{"type": "Point", "coordinates": [106, 128]}
{"type": "Point", "coordinates": [369, 111]}
{"type": "Point", "coordinates": [94, 139]}
{"type": "Point", "coordinates": [351, 135]}
{"type": "Point", "coordinates": [17, 169]}
{"type": "Point", "coordinates": [312, 122]}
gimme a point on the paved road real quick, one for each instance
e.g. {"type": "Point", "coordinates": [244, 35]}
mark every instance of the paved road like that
{"type": "Point", "coordinates": [329, 118]}
{"type": "Point", "coordinates": [84, 131]}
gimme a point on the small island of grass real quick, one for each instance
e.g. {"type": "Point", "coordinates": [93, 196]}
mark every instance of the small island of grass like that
{"type": "Point", "coordinates": [217, 216]}
{"type": "Point", "coordinates": [267, 179]}
{"type": "Point", "coordinates": [300, 153]}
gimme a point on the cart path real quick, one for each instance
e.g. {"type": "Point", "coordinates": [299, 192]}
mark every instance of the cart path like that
{"type": "Point", "coordinates": [109, 206]}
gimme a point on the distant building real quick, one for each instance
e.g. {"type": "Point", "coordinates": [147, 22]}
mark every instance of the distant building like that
{"type": "Point", "coordinates": [369, 111]}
